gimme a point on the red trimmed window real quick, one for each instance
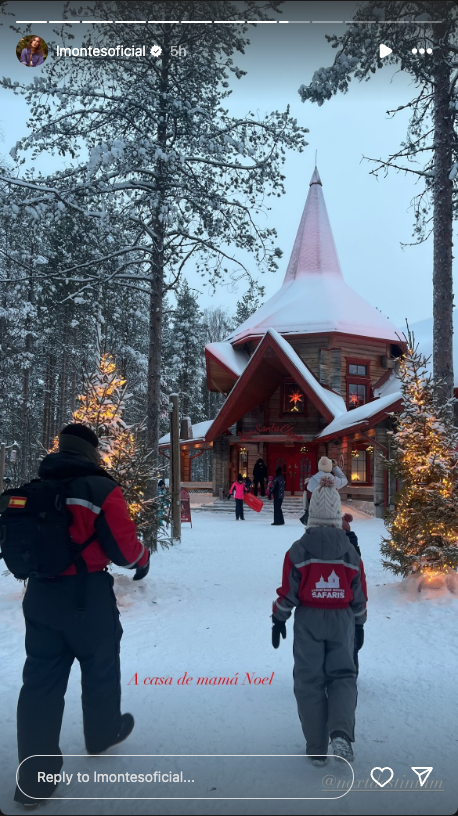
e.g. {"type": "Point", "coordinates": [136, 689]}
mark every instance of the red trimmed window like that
{"type": "Point", "coordinates": [361, 464]}
{"type": "Point", "coordinates": [358, 383]}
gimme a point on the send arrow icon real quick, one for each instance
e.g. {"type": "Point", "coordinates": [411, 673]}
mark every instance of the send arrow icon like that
{"type": "Point", "coordinates": [422, 774]}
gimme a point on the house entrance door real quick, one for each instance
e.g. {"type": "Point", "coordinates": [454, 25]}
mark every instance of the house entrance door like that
{"type": "Point", "coordinates": [297, 465]}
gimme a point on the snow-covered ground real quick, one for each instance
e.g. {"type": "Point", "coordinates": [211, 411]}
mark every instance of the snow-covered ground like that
{"type": "Point", "coordinates": [205, 609]}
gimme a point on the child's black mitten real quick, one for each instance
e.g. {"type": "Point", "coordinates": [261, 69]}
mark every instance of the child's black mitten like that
{"type": "Point", "coordinates": [359, 636]}
{"type": "Point", "coordinates": [278, 628]}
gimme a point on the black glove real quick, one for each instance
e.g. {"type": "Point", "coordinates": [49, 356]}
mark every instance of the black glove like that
{"type": "Point", "coordinates": [142, 572]}
{"type": "Point", "coordinates": [278, 628]}
{"type": "Point", "coordinates": [359, 636]}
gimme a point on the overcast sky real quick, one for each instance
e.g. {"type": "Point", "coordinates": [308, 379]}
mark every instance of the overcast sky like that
{"type": "Point", "coordinates": [370, 218]}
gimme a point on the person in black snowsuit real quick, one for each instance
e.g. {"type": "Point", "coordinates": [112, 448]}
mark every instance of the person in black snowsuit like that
{"type": "Point", "coordinates": [259, 477]}
{"type": "Point", "coordinates": [74, 615]}
{"type": "Point", "coordinates": [278, 492]}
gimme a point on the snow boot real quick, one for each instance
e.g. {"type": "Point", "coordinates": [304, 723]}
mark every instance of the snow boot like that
{"type": "Point", "coordinates": [26, 804]}
{"type": "Point", "coordinates": [319, 761]}
{"type": "Point", "coordinates": [126, 728]}
{"type": "Point", "coordinates": [341, 746]}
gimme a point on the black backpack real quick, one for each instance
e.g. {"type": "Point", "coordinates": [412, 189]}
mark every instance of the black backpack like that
{"type": "Point", "coordinates": [34, 530]}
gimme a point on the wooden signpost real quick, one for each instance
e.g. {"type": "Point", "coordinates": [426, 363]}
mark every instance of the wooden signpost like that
{"type": "Point", "coordinates": [185, 507]}
{"type": "Point", "coordinates": [175, 475]}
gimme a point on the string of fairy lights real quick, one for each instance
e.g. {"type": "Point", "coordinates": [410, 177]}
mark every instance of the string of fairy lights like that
{"type": "Point", "coordinates": [424, 527]}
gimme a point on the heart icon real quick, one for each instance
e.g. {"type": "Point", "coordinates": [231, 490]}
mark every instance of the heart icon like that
{"type": "Point", "coordinates": [377, 781]}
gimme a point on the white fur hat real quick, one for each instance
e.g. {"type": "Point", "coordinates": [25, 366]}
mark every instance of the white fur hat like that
{"type": "Point", "coordinates": [325, 509]}
{"type": "Point", "coordinates": [325, 465]}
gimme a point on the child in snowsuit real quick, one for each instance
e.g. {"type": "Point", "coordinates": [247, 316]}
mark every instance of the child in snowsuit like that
{"type": "Point", "coordinates": [359, 629]}
{"type": "Point", "coordinates": [278, 492]}
{"type": "Point", "coordinates": [322, 582]}
{"type": "Point", "coordinates": [328, 467]}
{"type": "Point", "coordinates": [238, 488]}
{"type": "Point", "coordinates": [270, 487]}
{"type": "Point", "coordinates": [325, 466]}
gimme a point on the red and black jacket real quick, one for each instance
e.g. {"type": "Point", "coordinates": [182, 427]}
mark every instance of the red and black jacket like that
{"type": "Point", "coordinates": [323, 570]}
{"type": "Point", "coordinates": [96, 504]}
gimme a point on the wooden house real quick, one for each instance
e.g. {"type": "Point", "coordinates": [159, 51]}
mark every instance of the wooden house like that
{"type": "Point", "coordinates": [312, 372]}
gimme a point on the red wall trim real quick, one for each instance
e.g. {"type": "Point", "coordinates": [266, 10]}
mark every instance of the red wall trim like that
{"type": "Point", "coordinates": [222, 420]}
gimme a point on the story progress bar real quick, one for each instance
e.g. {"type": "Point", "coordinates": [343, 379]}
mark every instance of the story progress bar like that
{"type": "Point", "coordinates": [231, 22]}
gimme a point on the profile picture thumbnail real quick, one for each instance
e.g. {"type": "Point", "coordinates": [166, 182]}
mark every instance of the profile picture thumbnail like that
{"type": "Point", "coordinates": [31, 51]}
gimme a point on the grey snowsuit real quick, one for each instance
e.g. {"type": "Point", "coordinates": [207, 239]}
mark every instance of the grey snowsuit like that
{"type": "Point", "coordinates": [322, 580]}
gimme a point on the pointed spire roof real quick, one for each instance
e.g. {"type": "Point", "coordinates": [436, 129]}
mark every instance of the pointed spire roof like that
{"type": "Point", "coordinates": [314, 297]}
{"type": "Point", "coordinates": [314, 251]}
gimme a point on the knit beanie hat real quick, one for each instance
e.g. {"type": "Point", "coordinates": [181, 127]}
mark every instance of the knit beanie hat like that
{"type": "Point", "coordinates": [325, 465]}
{"type": "Point", "coordinates": [325, 509]}
{"type": "Point", "coordinates": [79, 439]}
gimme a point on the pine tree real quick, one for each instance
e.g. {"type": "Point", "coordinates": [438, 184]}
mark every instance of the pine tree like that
{"type": "Point", "coordinates": [187, 342]}
{"type": "Point", "coordinates": [166, 163]}
{"type": "Point", "coordinates": [423, 528]}
{"type": "Point", "coordinates": [101, 406]}
{"type": "Point", "coordinates": [122, 448]}
{"type": "Point", "coordinates": [133, 467]}
{"type": "Point", "coordinates": [250, 303]}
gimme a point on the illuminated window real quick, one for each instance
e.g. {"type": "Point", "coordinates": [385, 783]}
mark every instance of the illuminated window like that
{"type": "Point", "coordinates": [293, 399]}
{"type": "Point", "coordinates": [243, 462]}
{"type": "Point", "coordinates": [359, 466]}
{"type": "Point", "coordinates": [356, 395]}
{"type": "Point", "coordinates": [362, 464]}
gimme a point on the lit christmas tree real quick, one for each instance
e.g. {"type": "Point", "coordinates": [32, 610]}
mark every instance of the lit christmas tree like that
{"type": "Point", "coordinates": [423, 528]}
{"type": "Point", "coordinates": [101, 406]}
{"type": "Point", "coordinates": [122, 448]}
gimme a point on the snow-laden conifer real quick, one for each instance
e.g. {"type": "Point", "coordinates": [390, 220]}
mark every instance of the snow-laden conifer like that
{"type": "Point", "coordinates": [423, 528]}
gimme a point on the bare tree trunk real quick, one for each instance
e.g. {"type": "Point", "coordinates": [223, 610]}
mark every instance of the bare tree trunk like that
{"type": "Point", "coordinates": [157, 285]}
{"type": "Point", "coordinates": [52, 404]}
{"type": "Point", "coordinates": [25, 443]}
{"type": "Point", "coordinates": [443, 222]}
{"type": "Point", "coordinates": [61, 405]}
{"type": "Point", "coordinates": [157, 277]}
{"type": "Point", "coordinates": [74, 371]}
{"type": "Point", "coordinates": [25, 451]}
{"type": "Point", "coordinates": [46, 401]}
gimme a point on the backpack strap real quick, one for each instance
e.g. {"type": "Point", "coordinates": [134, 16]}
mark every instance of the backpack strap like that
{"type": "Point", "coordinates": [80, 565]}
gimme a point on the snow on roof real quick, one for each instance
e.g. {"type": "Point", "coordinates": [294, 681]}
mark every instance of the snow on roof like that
{"type": "Point", "coordinates": [357, 415]}
{"type": "Point", "coordinates": [423, 332]}
{"type": "Point", "coordinates": [314, 296]}
{"type": "Point", "coordinates": [199, 431]}
{"type": "Point", "coordinates": [314, 251]}
{"type": "Point", "coordinates": [391, 386]}
{"type": "Point", "coordinates": [333, 402]}
{"type": "Point", "coordinates": [235, 360]}
{"type": "Point", "coordinates": [322, 303]}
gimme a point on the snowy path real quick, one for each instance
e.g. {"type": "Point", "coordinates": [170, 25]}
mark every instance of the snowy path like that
{"type": "Point", "coordinates": [205, 609]}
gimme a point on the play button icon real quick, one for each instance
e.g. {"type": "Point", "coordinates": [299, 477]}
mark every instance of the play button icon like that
{"type": "Point", "coordinates": [384, 51]}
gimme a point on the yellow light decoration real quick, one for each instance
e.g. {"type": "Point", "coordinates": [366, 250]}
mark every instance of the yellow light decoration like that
{"type": "Point", "coordinates": [100, 407]}
{"type": "Point", "coordinates": [295, 398]}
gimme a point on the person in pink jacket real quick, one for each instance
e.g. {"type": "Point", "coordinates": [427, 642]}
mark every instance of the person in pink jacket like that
{"type": "Point", "coordinates": [238, 489]}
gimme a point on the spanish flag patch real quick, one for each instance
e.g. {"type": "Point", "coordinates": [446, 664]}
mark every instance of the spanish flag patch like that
{"type": "Point", "coordinates": [17, 501]}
